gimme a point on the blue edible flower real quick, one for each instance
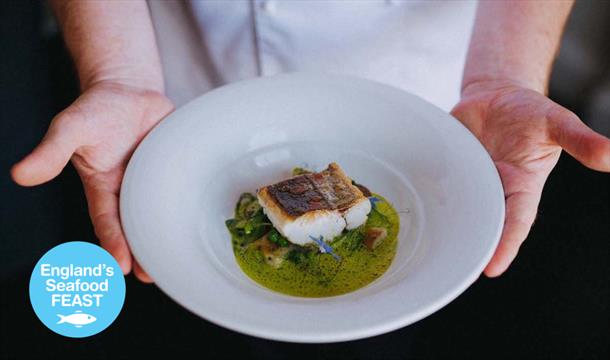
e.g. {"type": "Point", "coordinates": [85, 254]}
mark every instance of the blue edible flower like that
{"type": "Point", "coordinates": [324, 247]}
{"type": "Point", "coordinates": [374, 200]}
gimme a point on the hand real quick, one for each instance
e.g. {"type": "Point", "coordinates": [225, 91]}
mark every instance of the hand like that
{"type": "Point", "coordinates": [99, 132]}
{"type": "Point", "coordinates": [524, 132]}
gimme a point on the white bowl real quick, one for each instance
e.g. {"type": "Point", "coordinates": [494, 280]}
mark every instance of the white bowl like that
{"type": "Point", "coordinates": [185, 177]}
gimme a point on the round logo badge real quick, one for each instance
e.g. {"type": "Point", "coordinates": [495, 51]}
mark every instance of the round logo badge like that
{"type": "Point", "coordinates": [77, 289]}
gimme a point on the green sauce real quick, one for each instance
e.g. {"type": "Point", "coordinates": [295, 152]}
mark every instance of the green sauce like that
{"type": "Point", "coordinates": [309, 273]}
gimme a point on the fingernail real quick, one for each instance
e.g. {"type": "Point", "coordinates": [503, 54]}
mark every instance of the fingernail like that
{"type": "Point", "coordinates": [125, 267]}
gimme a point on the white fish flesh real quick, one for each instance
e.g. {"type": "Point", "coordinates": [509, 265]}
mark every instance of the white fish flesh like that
{"type": "Point", "coordinates": [314, 205]}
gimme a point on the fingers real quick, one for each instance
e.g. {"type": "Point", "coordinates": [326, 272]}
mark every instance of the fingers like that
{"type": "Point", "coordinates": [49, 158]}
{"type": "Point", "coordinates": [104, 211]}
{"type": "Point", "coordinates": [584, 144]}
{"type": "Point", "coordinates": [521, 210]}
{"type": "Point", "coordinates": [141, 274]}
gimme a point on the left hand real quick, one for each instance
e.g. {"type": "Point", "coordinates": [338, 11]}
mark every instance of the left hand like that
{"type": "Point", "coordinates": [524, 132]}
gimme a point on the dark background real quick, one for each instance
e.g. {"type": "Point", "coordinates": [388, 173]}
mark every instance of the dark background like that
{"type": "Point", "coordinates": [552, 303]}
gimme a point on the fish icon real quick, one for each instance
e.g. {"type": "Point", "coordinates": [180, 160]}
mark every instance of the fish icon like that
{"type": "Point", "coordinates": [78, 319]}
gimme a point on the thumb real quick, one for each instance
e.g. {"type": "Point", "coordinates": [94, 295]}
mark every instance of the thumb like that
{"type": "Point", "coordinates": [584, 144]}
{"type": "Point", "coordinates": [49, 158]}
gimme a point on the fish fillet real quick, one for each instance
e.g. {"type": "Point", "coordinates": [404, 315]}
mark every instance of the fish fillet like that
{"type": "Point", "coordinates": [317, 204]}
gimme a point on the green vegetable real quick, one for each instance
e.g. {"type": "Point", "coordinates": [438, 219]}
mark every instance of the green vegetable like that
{"type": "Point", "coordinates": [301, 256]}
{"type": "Point", "coordinates": [300, 171]}
{"type": "Point", "coordinates": [275, 237]}
{"type": "Point", "coordinates": [350, 240]}
{"type": "Point", "coordinates": [379, 218]}
{"type": "Point", "coordinates": [250, 222]}
{"type": "Point", "coordinates": [247, 206]}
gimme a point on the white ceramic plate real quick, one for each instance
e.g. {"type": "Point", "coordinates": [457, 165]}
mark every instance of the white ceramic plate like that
{"type": "Point", "coordinates": [185, 177]}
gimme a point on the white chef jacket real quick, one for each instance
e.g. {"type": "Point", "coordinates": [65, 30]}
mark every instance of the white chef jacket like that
{"type": "Point", "coordinates": [419, 46]}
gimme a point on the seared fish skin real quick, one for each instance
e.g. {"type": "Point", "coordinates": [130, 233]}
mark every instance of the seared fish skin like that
{"type": "Point", "coordinates": [297, 195]}
{"type": "Point", "coordinates": [316, 204]}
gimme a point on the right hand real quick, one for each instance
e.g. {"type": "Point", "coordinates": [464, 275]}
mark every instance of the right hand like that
{"type": "Point", "coordinates": [98, 132]}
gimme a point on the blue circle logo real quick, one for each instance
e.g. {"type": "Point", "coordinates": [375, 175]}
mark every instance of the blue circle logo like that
{"type": "Point", "coordinates": [77, 289]}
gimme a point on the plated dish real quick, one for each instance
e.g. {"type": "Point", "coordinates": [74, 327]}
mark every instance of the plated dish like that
{"type": "Point", "coordinates": [314, 234]}
{"type": "Point", "coordinates": [184, 180]}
